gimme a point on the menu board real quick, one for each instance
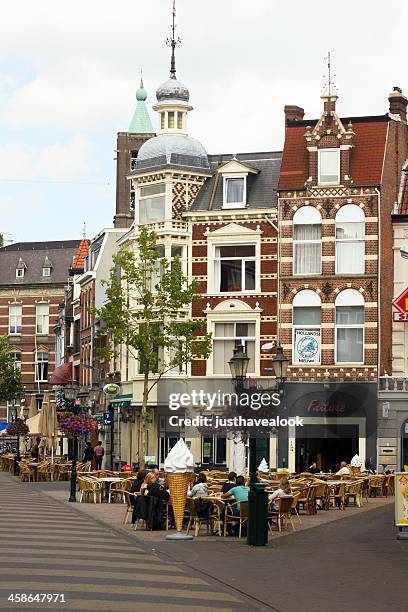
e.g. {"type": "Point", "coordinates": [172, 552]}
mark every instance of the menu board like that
{"type": "Point", "coordinates": [401, 499]}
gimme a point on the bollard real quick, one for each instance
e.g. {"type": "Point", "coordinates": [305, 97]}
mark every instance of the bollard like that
{"type": "Point", "coordinates": [258, 515]}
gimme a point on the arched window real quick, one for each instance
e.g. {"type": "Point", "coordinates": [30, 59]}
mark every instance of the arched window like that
{"type": "Point", "coordinates": [307, 241]}
{"type": "Point", "coordinates": [307, 320]}
{"type": "Point", "coordinates": [350, 245]}
{"type": "Point", "coordinates": [349, 327]}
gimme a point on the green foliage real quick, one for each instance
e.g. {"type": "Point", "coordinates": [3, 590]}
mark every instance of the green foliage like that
{"type": "Point", "coordinates": [147, 309]}
{"type": "Point", "coordinates": [10, 378]}
{"type": "Point", "coordinates": [1, 240]}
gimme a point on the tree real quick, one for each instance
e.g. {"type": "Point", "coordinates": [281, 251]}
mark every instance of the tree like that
{"type": "Point", "coordinates": [1, 240]}
{"type": "Point", "coordinates": [148, 310]}
{"type": "Point", "coordinates": [10, 377]}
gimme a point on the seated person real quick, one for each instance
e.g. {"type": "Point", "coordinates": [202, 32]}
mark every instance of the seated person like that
{"type": "Point", "coordinates": [200, 487]}
{"type": "Point", "coordinates": [150, 504]}
{"type": "Point", "coordinates": [239, 493]}
{"type": "Point", "coordinates": [230, 484]}
{"type": "Point", "coordinates": [313, 468]}
{"type": "Point", "coordinates": [344, 470]}
{"type": "Point", "coordinates": [284, 489]}
{"type": "Point", "coordinates": [141, 475]}
{"type": "Point", "coordinates": [152, 487]}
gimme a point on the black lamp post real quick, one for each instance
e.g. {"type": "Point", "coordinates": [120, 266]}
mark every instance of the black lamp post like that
{"type": "Point", "coordinates": [17, 456]}
{"type": "Point", "coordinates": [280, 366]}
{"type": "Point", "coordinates": [70, 393]}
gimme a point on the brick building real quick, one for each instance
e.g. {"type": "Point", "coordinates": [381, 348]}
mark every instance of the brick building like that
{"type": "Point", "coordinates": [33, 277]}
{"type": "Point", "coordinates": [338, 184]}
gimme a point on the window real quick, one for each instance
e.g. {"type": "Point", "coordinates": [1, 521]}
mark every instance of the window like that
{"type": "Point", "coordinates": [15, 318]}
{"type": "Point", "coordinates": [41, 366]}
{"type": "Point", "coordinates": [46, 271]}
{"type": "Point", "coordinates": [16, 356]}
{"type": "Point", "coordinates": [214, 450]}
{"type": "Point", "coordinates": [350, 245]}
{"type": "Point", "coordinates": [170, 119]}
{"type": "Point", "coordinates": [329, 166]}
{"type": "Point", "coordinates": [307, 241]}
{"type": "Point", "coordinates": [307, 319]}
{"type": "Point", "coordinates": [42, 318]}
{"type": "Point", "coordinates": [20, 272]}
{"type": "Point", "coordinates": [234, 192]}
{"type": "Point", "coordinates": [234, 268]}
{"type": "Point", "coordinates": [180, 120]}
{"type": "Point", "coordinates": [350, 327]}
{"type": "Point", "coordinates": [227, 337]}
{"type": "Point", "coordinates": [162, 121]}
{"type": "Point", "coordinates": [152, 201]}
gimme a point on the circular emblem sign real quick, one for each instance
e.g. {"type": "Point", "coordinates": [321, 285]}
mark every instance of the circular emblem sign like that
{"type": "Point", "coordinates": [111, 389]}
{"type": "Point", "coordinates": [307, 348]}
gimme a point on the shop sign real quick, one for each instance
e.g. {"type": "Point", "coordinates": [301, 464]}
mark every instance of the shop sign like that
{"type": "Point", "coordinates": [326, 407]}
{"type": "Point", "coordinates": [401, 499]}
{"type": "Point", "coordinates": [401, 304]}
{"type": "Point", "coordinates": [307, 345]}
{"type": "Point", "coordinates": [400, 317]}
{"type": "Point", "coordinates": [111, 389]}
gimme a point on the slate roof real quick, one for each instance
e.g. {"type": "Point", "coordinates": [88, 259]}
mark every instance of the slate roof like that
{"type": "Point", "coordinates": [366, 157]}
{"type": "Point", "coordinates": [261, 188]}
{"type": "Point", "coordinates": [60, 253]}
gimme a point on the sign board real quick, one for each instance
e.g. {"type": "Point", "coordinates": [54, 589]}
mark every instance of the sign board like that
{"type": "Point", "coordinates": [401, 302]}
{"type": "Point", "coordinates": [401, 499]}
{"type": "Point", "coordinates": [111, 389]}
{"type": "Point", "coordinates": [400, 317]}
{"type": "Point", "coordinates": [150, 458]}
{"type": "Point", "coordinates": [307, 343]}
{"type": "Point", "coordinates": [107, 418]}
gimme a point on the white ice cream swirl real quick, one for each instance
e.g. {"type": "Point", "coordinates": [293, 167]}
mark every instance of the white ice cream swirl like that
{"type": "Point", "coordinates": [179, 460]}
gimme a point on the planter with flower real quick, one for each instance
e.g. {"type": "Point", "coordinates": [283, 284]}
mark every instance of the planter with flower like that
{"type": "Point", "coordinates": [18, 428]}
{"type": "Point", "coordinates": [75, 425]}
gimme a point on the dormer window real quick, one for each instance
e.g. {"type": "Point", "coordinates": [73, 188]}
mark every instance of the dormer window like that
{"type": "Point", "coordinates": [20, 272]}
{"type": "Point", "coordinates": [235, 192]}
{"type": "Point", "coordinates": [46, 271]}
{"type": "Point", "coordinates": [329, 166]}
{"type": "Point", "coordinates": [46, 268]}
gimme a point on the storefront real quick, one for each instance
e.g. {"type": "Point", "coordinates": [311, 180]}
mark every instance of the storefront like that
{"type": "Point", "coordinates": [339, 420]}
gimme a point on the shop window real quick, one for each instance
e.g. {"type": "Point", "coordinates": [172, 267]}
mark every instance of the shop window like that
{"type": "Point", "coordinates": [350, 327]}
{"type": "Point", "coordinates": [229, 336]}
{"type": "Point", "coordinates": [214, 450]}
{"type": "Point", "coordinates": [307, 241]}
{"type": "Point", "coordinates": [350, 244]}
{"type": "Point", "coordinates": [235, 268]}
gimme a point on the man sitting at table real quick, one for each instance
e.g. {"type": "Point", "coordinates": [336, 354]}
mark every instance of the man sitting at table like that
{"type": "Point", "coordinates": [239, 493]}
{"type": "Point", "coordinates": [344, 470]}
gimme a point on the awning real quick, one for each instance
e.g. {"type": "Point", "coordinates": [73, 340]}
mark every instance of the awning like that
{"type": "Point", "coordinates": [122, 401]}
{"type": "Point", "coordinates": [62, 375]}
{"type": "Point", "coordinates": [3, 426]}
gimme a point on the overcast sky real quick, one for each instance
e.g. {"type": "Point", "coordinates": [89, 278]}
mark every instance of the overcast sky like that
{"type": "Point", "coordinates": [69, 72]}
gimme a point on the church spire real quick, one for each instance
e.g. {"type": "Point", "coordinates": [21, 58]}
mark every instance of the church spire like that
{"type": "Point", "coordinates": [141, 123]}
{"type": "Point", "coordinates": [173, 42]}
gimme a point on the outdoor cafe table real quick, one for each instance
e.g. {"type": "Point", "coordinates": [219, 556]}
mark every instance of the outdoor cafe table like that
{"type": "Point", "coordinates": [108, 481]}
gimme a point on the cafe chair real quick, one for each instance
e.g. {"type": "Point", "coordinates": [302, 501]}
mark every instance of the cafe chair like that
{"type": "Point", "coordinates": [231, 519]}
{"type": "Point", "coordinates": [283, 514]}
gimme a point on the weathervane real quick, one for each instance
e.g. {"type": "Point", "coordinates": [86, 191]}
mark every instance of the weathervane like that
{"type": "Point", "coordinates": [173, 42]}
{"type": "Point", "coordinates": [329, 86]}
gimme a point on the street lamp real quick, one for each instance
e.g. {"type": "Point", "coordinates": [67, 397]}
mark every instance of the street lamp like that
{"type": "Point", "coordinates": [280, 367]}
{"type": "Point", "coordinates": [239, 367]}
{"type": "Point", "coordinates": [70, 393]}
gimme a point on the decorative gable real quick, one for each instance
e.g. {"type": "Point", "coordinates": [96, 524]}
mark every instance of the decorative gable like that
{"type": "Point", "coordinates": [233, 229]}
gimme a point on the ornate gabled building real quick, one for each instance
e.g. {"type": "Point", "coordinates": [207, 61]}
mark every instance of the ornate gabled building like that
{"type": "Point", "coordinates": [338, 184]}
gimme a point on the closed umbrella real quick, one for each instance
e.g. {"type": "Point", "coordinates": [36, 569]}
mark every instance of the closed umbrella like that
{"type": "Point", "coordinates": [48, 423]}
{"type": "Point", "coordinates": [32, 408]}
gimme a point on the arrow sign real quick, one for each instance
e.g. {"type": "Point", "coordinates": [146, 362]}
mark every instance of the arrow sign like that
{"type": "Point", "coordinates": [401, 302]}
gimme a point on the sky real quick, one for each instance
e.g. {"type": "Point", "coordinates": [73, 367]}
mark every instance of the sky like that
{"type": "Point", "coordinates": [69, 72]}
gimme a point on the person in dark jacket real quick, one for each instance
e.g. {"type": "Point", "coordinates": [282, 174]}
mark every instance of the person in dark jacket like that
{"type": "Point", "coordinates": [150, 505]}
{"type": "Point", "coordinates": [89, 454]}
{"type": "Point", "coordinates": [141, 475]}
{"type": "Point", "coordinates": [230, 484]}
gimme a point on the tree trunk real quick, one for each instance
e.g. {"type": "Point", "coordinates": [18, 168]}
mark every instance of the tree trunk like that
{"type": "Point", "coordinates": [143, 422]}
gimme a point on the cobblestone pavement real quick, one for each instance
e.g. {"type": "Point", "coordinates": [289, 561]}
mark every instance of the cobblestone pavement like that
{"type": "Point", "coordinates": [49, 547]}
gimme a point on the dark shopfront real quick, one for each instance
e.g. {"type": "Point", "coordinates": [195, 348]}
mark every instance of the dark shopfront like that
{"type": "Point", "coordinates": [339, 421]}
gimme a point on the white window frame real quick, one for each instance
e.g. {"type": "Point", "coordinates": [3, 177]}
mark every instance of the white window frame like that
{"type": "Point", "coordinates": [306, 215]}
{"type": "Point", "coordinates": [20, 272]}
{"type": "Point", "coordinates": [235, 322]}
{"type": "Point", "coordinates": [348, 214]}
{"type": "Point", "coordinates": [140, 198]}
{"type": "Point", "coordinates": [228, 177]}
{"type": "Point", "coordinates": [306, 298]}
{"type": "Point", "coordinates": [17, 320]}
{"type": "Point", "coordinates": [17, 362]}
{"type": "Point", "coordinates": [46, 271]}
{"type": "Point", "coordinates": [320, 152]}
{"type": "Point", "coordinates": [42, 320]}
{"type": "Point", "coordinates": [217, 268]}
{"type": "Point", "coordinates": [349, 298]}
{"type": "Point", "coordinates": [37, 365]}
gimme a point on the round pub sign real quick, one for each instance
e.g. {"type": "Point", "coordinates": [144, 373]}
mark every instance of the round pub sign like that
{"type": "Point", "coordinates": [111, 389]}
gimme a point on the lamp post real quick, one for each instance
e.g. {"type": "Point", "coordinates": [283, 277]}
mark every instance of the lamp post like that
{"type": "Point", "coordinates": [17, 456]}
{"type": "Point", "coordinates": [70, 393]}
{"type": "Point", "coordinates": [280, 367]}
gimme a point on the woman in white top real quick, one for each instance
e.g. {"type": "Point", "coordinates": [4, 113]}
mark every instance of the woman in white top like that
{"type": "Point", "coordinates": [200, 488]}
{"type": "Point", "coordinates": [284, 489]}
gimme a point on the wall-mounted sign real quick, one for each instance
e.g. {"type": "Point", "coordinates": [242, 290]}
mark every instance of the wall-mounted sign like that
{"type": "Point", "coordinates": [111, 389]}
{"type": "Point", "coordinates": [400, 317]}
{"type": "Point", "coordinates": [307, 343]}
{"type": "Point", "coordinates": [107, 418]}
{"type": "Point", "coordinates": [401, 303]}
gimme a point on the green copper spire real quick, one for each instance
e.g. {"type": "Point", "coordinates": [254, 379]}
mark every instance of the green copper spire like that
{"type": "Point", "coordinates": [141, 123]}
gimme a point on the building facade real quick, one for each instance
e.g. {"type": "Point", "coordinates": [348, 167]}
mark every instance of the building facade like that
{"type": "Point", "coordinates": [337, 188]}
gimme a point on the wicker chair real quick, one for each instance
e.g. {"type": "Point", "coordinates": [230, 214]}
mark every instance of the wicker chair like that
{"type": "Point", "coordinates": [117, 489]}
{"type": "Point", "coordinates": [241, 518]}
{"type": "Point", "coordinates": [89, 488]}
{"type": "Point", "coordinates": [26, 473]}
{"type": "Point", "coordinates": [353, 491]}
{"type": "Point", "coordinates": [308, 499]}
{"type": "Point", "coordinates": [44, 471]}
{"type": "Point", "coordinates": [129, 506]}
{"type": "Point", "coordinates": [389, 485]}
{"type": "Point", "coordinates": [211, 521]}
{"type": "Point", "coordinates": [284, 512]}
{"type": "Point", "coordinates": [337, 495]}
{"type": "Point", "coordinates": [376, 485]}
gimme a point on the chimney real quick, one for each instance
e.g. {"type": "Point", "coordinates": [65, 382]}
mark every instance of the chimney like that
{"type": "Point", "coordinates": [398, 103]}
{"type": "Point", "coordinates": [293, 113]}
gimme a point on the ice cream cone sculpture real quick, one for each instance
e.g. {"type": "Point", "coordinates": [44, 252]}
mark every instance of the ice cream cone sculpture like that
{"type": "Point", "coordinates": [179, 468]}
